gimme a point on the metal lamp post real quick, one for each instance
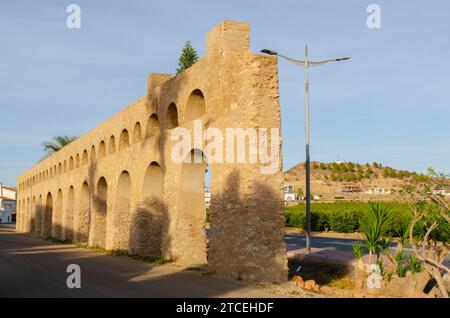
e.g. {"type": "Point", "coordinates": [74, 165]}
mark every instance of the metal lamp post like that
{"type": "Point", "coordinates": [306, 64]}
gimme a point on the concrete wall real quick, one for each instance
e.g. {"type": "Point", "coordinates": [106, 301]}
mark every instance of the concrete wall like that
{"type": "Point", "coordinates": [118, 187]}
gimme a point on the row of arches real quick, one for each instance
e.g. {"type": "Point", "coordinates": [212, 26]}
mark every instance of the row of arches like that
{"type": "Point", "coordinates": [84, 214]}
{"type": "Point", "coordinates": [195, 108]}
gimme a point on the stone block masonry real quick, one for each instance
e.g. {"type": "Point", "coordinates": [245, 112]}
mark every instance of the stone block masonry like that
{"type": "Point", "coordinates": [117, 186]}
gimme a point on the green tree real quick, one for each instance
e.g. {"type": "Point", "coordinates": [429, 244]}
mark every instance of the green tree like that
{"type": "Point", "coordinates": [188, 57]}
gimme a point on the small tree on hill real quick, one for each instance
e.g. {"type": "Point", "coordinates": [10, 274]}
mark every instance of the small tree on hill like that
{"type": "Point", "coordinates": [188, 57]}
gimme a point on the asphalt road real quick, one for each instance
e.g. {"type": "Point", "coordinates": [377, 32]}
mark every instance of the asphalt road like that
{"type": "Point", "coordinates": [296, 241]}
{"type": "Point", "coordinates": [33, 267]}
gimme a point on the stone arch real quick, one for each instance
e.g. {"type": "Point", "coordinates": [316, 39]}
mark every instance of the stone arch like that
{"type": "Point", "coordinates": [100, 209]}
{"type": "Point", "coordinates": [65, 166]}
{"type": "Point", "coordinates": [172, 116]}
{"type": "Point", "coordinates": [26, 216]}
{"type": "Point", "coordinates": [46, 230]}
{"type": "Point", "coordinates": [57, 215]}
{"type": "Point", "coordinates": [83, 217]}
{"type": "Point", "coordinates": [69, 215]}
{"type": "Point", "coordinates": [112, 145]}
{"type": "Point", "coordinates": [71, 163]}
{"type": "Point", "coordinates": [38, 211]}
{"type": "Point", "coordinates": [137, 132]}
{"type": "Point", "coordinates": [101, 150]}
{"type": "Point", "coordinates": [152, 126]}
{"type": "Point", "coordinates": [93, 156]}
{"type": "Point", "coordinates": [124, 141]}
{"type": "Point", "coordinates": [191, 205]}
{"type": "Point", "coordinates": [60, 169]}
{"type": "Point", "coordinates": [148, 220]}
{"type": "Point", "coordinates": [84, 158]}
{"type": "Point", "coordinates": [77, 161]}
{"type": "Point", "coordinates": [122, 211]}
{"type": "Point", "coordinates": [32, 218]}
{"type": "Point", "coordinates": [195, 106]}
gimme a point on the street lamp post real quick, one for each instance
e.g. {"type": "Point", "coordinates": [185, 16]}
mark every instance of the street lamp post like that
{"type": "Point", "coordinates": [306, 64]}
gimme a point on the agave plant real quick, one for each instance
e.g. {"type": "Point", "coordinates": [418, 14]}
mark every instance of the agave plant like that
{"type": "Point", "coordinates": [414, 265]}
{"type": "Point", "coordinates": [374, 224]}
{"type": "Point", "coordinates": [399, 257]}
{"type": "Point", "coordinates": [402, 270]}
{"type": "Point", "coordinates": [358, 250]}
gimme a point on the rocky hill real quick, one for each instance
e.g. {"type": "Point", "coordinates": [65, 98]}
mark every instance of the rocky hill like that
{"type": "Point", "coordinates": [348, 180]}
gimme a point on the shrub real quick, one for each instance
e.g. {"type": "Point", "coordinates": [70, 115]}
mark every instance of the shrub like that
{"type": "Point", "coordinates": [414, 265]}
{"type": "Point", "coordinates": [358, 250]}
{"type": "Point", "coordinates": [346, 217]}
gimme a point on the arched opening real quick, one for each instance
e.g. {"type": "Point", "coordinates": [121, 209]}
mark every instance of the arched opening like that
{"type": "Point", "coordinates": [26, 216]}
{"type": "Point", "coordinates": [101, 150]}
{"type": "Point", "coordinates": [152, 126]}
{"type": "Point", "coordinates": [71, 163]}
{"type": "Point", "coordinates": [46, 230]}
{"type": "Point", "coordinates": [137, 132]}
{"type": "Point", "coordinates": [192, 208]}
{"type": "Point", "coordinates": [32, 219]}
{"type": "Point", "coordinates": [124, 141]}
{"type": "Point", "coordinates": [122, 211]}
{"type": "Point", "coordinates": [65, 166]}
{"type": "Point", "coordinates": [84, 158]}
{"type": "Point", "coordinates": [68, 223]}
{"type": "Point", "coordinates": [77, 161]}
{"type": "Point", "coordinates": [148, 220]}
{"type": "Point", "coordinates": [172, 116]}
{"type": "Point", "coordinates": [100, 211]}
{"type": "Point", "coordinates": [51, 172]}
{"type": "Point", "coordinates": [195, 106]}
{"type": "Point", "coordinates": [112, 145]}
{"type": "Point", "coordinates": [93, 156]}
{"type": "Point", "coordinates": [38, 211]}
{"type": "Point", "coordinates": [57, 216]}
{"type": "Point", "coordinates": [82, 231]}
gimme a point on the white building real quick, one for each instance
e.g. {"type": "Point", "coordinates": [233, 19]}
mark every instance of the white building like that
{"type": "Point", "coordinates": [7, 204]}
{"type": "Point", "coordinates": [207, 196]}
{"type": "Point", "coordinates": [289, 194]}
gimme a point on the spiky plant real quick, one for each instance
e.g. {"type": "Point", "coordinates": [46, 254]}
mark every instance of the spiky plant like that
{"type": "Point", "coordinates": [358, 250]}
{"type": "Point", "coordinates": [414, 265]}
{"type": "Point", "coordinates": [374, 223]}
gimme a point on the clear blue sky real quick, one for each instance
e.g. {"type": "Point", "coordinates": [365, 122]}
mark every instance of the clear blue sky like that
{"type": "Point", "coordinates": [390, 103]}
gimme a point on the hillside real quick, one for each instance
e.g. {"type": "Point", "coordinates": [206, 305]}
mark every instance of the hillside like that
{"type": "Point", "coordinates": [348, 180]}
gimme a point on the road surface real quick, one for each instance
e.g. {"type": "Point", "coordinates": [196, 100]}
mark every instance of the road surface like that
{"type": "Point", "coordinates": [33, 267]}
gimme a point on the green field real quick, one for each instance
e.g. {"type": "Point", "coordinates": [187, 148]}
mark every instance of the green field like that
{"type": "Point", "coordinates": [344, 217]}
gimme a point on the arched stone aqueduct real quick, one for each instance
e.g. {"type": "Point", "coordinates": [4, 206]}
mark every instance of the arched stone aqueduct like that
{"type": "Point", "coordinates": [118, 188]}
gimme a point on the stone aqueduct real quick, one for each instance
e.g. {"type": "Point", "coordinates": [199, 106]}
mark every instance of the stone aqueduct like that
{"type": "Point", "coordinates": [116, 186]}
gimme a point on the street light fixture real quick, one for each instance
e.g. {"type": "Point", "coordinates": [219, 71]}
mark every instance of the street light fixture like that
{"type": "Point", "coordinates": [306, 64]}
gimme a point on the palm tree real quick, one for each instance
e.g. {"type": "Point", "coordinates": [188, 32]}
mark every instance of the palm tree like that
{"type": "Point", "coordinates": [59, 142]}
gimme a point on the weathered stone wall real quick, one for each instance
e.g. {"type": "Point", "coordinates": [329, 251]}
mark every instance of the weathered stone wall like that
{"type": "Point", "coordinates": [117, 186]}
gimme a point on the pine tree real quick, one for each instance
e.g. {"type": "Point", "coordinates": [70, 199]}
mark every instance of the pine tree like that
{"type": "Point", "coordinates": [188, 57]}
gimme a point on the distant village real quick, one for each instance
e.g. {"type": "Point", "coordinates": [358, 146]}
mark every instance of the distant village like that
{"type": "Point", "coordinates": [347, 181]}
